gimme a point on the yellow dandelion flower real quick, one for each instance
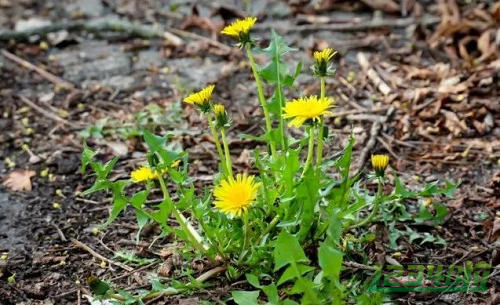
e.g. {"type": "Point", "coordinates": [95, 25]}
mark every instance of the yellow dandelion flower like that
{"type": "Point", "coordinates": [235, 196]}
{"type": "Point", "coordinates": [201, 98]}
{"type": "Point", "coordinates": [322, 60]}
{"type": "Point", "coordinates": [143, 174]}
{"type": "Point", "coordinates": [175, 164]}
{"type": "Point", "coordinates": [325, 55]}
{"type": "Point", "coordinates": [379, 164]}
{"type": "Point", "coordinates": [305, 109]}
{"type": "Point", "coordinates": [240, 29]}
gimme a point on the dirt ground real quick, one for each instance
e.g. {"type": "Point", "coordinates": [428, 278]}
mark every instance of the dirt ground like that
{"type": "Point", "coordinates": [428, 72]}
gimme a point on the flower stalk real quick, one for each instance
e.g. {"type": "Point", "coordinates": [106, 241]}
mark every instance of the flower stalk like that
{"type": "Point", "coordinates": [188, 229]}
{"type": "Point", "coordinates": [215, 135]}
{"type": "Point", "coordinates": [310, 150]}
{"type": "Point", "coordinates": [226, 151]}
{"type": "Point", "coordinates": [319, 149]}
{"type": "Point", "coordinates": [246, 232]}
{"type": "Point", "coordinates": [376, 204]}
{"type": "Point", "coordinates": [262, 98]}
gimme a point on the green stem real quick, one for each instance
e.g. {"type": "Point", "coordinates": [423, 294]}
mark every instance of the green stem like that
{"type": "Point", "coordinates": [262, 98]}
{"type": "Point", "coordinates": [212, 239]}
{"type": "Point", "coordinates": [313, 298]}
{"type": "Point", "coordinates": [211, 123]}
{"type": "Point", "coordinates": [310, 150]}
{"type": "Point", "coordinates": [270, 226]}
{"type": "Point", "coordinates": [226, 151]}
{"type": "Point", "coordinates": [188, 229]}
{"type": "Point", "coordinates": [246, 231]}
{"type": "Point", "coordinates": [376, 204]}
{"type": "Point", "coordinates": [279, 95]}
{"type": "Point", "coordinates": [319, 151]}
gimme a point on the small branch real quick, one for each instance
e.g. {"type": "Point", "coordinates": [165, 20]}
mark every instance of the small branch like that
{"type": "Point", "coordinates": [45, 74]}
{"type": "Point", "coordinates": [46, 113]}
{"type": "Point", "coordinates": [195, 36]}
{"type": "Point", "coordinates": [202, 278]}
{"type": "Point", "coordinates": [362, 26]}
{"type": "Point", "coordinates": [61, 234]}
{"type": "Point", "coordinates": [94, 26]}
{"type": "Point", "coordinates": [83, 246]}
{"type": "Point", "coordinates": [372, 74]}
{"type": "Point", "coordinates": [133, 271]}
{"type": "Point", "coordinates": [210, 273]}
{"type": "Point", "coordinates": [358, 111]}
{"type": "Point", "coordinates": [359, 266]}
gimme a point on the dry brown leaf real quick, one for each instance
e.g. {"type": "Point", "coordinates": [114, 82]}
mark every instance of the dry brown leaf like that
{"type": "Point", "coordinates": [19, 180]}
{"type": "Point", "coordinates": [453, 123]}
{"type": "Point", "coordinates": [118, 148]}
{"type": "Point", "coordinates": [495, 11]}
{"type": "Point", "coordinates": [387, 6]}
{"type": "Point", "coordinates": [495, 231]}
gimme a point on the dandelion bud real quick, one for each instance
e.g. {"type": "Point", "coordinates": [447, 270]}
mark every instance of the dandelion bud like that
{"type": "Point", "coordinates": [221, 115]}
{"type": "Point", "coordinates": [322, 66]}
{"type": "Point", "coordinates": [379, 164]}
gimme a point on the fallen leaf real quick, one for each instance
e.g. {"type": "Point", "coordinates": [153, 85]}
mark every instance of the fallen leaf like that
{"type": "Point", "coordinates": [19, 180]}
{"type": "Point", "coordinates": [495, 231]}
{"type": "Point", "coordinates": [119, 148]}
{"type": "Point", "coordinates": [453, 123]}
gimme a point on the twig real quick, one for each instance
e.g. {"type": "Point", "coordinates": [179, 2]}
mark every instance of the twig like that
{"type": "Point", "coordinates": [359, 266]}
{"type": "Point", "coordinates": [61, 234]}
{"type": "Point", "coordinates": [205, 276]}
{"type": "Point", "coordinates": [202, 278]}
{"type": "Point", "coordinates": [94, 26]}
{"type": "Point", "coordinates": [46, 113]}
{"type": "Point", "coordinates": [83, 246]}
{"type": "Point", "coordinates": [341, 27]}
{"type": "Point", "coordinates": [45, 74]}
{"type": "Point", "coordinates": [62, 295]}
{"type": "Point", "coordinates": [195, 36]}
{"type": "Point", "coordinates": [358, 111]}
{"type": "Point", "coordinates": [388, 148]}
{"type": "Point", "coordinates": [372, 74]}
{"type": "Point", "coordinates": [374, 132]}
{"type": "Point", "coordinates": [134, 271]}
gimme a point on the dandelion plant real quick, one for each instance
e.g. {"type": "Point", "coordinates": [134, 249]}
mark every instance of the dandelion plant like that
{"type": "Point", "coordinates": [295, 218]}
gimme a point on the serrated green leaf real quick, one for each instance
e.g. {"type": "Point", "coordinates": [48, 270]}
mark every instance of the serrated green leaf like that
{"type": "Point", "coordinates": [288, 250]}
{"type": "Point", "coordinates": [330, 261]}
{"type": "Point", "coordinates": [271, 292]}
{"type": "Point", "coordinates": [276, 70]}
{"type": "Point", "coordinates": [335, 229]}
{"type": "Point", "coordinates": [142, 221]}
{"type": "Point", "coordinates": [441, 212]}
{"type": "Point", "coordinates": [97, 286]}
{"type": "Point", "coordinates": [293, 272]}
{"type": "Point", "coordinates": [139, 199]}
{"type": "Point", "coordinates": [427, 238]}
{"type": "Point", "coordinates": [308, 191]}
{"type": "Point", "coordinates": [253, 280]}
{"type": "Point", "coordinates": [87, 156]}
{"type": "Point", "coordinates": [99, 185]}
{"type": "Point", "coordinates": [401, 190]}
{"type": "Point", "coordinates": [154, 142]}
{"type": "Point", "coordinates": [245, 297]}
{"type": "Point", "coordinates": [119, 201]}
